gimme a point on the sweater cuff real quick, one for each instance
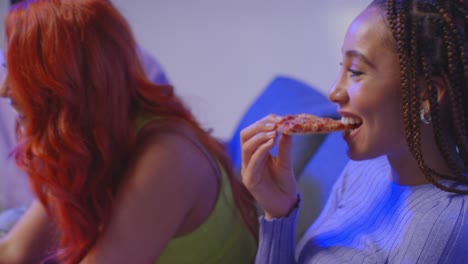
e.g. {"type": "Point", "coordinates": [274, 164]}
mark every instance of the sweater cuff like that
{"type": "Point", "coordinates": [277, 238]}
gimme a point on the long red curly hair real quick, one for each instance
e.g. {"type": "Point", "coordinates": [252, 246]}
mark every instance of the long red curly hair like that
{"type": "Point", "coordinates": [75, 76]}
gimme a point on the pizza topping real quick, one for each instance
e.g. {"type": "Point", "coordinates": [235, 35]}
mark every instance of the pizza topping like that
{"type": "Point", "coordinates": [308, 123]}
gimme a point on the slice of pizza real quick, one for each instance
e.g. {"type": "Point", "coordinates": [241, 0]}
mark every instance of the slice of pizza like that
{"type": "Point", "coordinates": [310, 124]}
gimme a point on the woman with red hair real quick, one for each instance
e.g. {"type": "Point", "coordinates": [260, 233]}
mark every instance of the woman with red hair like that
{"type": "Point", "coordinates": [118, 163]}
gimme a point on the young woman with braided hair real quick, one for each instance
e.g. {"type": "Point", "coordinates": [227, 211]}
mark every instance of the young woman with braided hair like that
{"type": "Point", "coordinates": [403, 197]}
{"type": "Point", "coordinates": [119, 165]}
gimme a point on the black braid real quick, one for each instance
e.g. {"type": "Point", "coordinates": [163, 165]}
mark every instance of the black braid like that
{"type": "Point", "coordinates": [407, 19]}
{"type": "Point", "coordinates": [455, 49]}
{"type": "Point", "coordinates": [415, 141]}
{"type": "Point", "coordinates": [456, 102]}
{"type": "Point", "coordinates": [415, 125]}
{"type": "Point", "coordinates": [427, 70]}
{"type": "Point", "coordinates": [436, 123]}
{"type": "Point", "coordinates": [398, 26]}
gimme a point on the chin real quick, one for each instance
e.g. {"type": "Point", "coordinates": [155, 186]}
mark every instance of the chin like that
{"type": "Point", "coordinates": [358, 154]}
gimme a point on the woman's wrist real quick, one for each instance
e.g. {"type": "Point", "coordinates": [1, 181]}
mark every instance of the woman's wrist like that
{"type": "Point", "coordinates": [293, 204]}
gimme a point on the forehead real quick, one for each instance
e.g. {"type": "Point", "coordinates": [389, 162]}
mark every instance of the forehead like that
{"type": "Point", "coordinates": [368, 33]}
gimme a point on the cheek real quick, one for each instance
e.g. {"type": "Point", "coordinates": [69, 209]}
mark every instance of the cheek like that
{"type": "Point", "coordinates": [363, 100]}
{"type": "Point", "coordinates": [389, 120]}
{"type": "Point", "coordinates": [380, 108]}
{"type": "Point", "coordinates": [371, 95]}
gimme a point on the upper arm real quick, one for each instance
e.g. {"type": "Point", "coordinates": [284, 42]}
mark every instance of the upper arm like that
{"type": "Point", "coordinates": [160, 190]}
{"type": "Point", "coordinates": [30, 238]}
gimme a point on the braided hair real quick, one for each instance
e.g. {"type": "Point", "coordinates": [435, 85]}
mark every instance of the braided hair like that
{"type": "Point", "coordinates": [431, 39]}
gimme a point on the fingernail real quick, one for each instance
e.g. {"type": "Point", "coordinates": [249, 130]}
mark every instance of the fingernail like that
{"type": "Point", "coordinates": [271, 134]}
{"type": "Point", "coordinates": [269, 125]}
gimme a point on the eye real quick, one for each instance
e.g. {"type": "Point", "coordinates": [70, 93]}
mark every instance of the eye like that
{"type": "Point", "coordinates": [354, 73]}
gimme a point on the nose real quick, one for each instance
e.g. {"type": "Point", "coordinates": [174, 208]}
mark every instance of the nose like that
{"type": "Point", "coordinates": [338, 92]}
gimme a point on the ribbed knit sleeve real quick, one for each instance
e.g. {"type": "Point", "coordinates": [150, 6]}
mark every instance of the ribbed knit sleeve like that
{"type": "Point", "coordinates": [277, 238]}
{"type": "Point", "coordinates": [370, 219]}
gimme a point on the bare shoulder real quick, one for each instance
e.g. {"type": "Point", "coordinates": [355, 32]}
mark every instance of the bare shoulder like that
{"type": "Point", "coordinates": [174, 142]}
{"type": "Point", "coordinates": [171, 151]}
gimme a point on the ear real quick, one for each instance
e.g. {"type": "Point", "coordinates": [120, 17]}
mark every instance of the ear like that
{"type": "Point", "coordinates": [440, 85]}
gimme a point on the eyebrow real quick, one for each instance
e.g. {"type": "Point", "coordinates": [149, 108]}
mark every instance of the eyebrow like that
{"type": "Point", "coordinates": [360, 56]}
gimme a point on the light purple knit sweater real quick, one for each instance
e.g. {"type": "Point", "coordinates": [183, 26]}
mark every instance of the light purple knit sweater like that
{"type": "Point", "coordinates": [369, 219]}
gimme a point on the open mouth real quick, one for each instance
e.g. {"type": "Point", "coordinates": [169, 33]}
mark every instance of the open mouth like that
{"type": "Point", "coordinates": [353, 121]}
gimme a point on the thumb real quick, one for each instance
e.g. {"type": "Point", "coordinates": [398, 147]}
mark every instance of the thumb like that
{"type": "Point", "coordinates": [284, 150]}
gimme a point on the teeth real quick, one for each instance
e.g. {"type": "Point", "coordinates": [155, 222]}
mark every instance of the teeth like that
{"type": "Point", "coordinates": [350, 120]}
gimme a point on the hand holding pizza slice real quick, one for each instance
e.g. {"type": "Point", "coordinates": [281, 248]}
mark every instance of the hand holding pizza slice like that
{"type": "Point", "coordinates": [311, 124]}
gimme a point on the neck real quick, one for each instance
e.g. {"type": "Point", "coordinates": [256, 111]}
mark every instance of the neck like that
{"type": "Point", "coordinates": [405, 168]}
{"type": "Point", "coordinates": [405, 171]}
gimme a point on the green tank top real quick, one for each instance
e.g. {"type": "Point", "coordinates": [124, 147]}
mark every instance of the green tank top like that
{"type": "Point", "coordinates": [222, 239]}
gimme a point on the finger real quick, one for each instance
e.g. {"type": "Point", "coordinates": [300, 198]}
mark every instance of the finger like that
{"type": "Point", "coordinates": [267, 123]}
{"type": "Point", "coordinates": [251, 175]}
{"type": "Point", "coordinates": [284, 151]}
{"type": "Point", "coordinates": [251, 146]}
